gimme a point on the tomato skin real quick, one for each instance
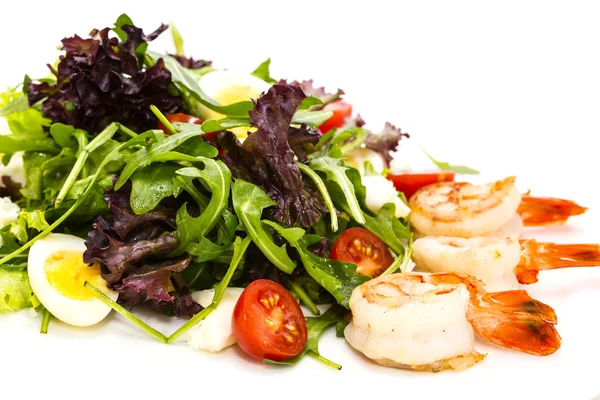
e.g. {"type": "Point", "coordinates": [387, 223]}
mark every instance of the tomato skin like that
{"type": "Point", "coordinates": [261, 322]}
{"type": "Point", "coordinates": [409, 182]}
{"type": "Point", "coordinates": [188, 119]}
{"type": "Point", "coordinates": [341, 111]}
{"type": "Point", "coordinates": [363, 248]}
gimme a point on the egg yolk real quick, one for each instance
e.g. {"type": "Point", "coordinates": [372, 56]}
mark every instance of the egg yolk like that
{"type": "Point", "coordinates": [67, 273]}
{"type": "Point", "coordinates": [231, 95]}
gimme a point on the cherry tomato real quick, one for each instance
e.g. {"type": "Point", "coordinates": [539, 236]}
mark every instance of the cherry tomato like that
{"type": "Point", "coordinates": [341, 111]}
{"type": "Point", "coordinates": [188, 119]}
{"type": "Point", "coordinates": [409, 182]}
{"type": "Point", "coordinates": [363, 248]}
{"type": "Point", "coordinates": [268, 322]}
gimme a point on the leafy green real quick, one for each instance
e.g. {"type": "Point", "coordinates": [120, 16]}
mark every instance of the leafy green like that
{"type": "Point", "coordinates": [15, 292]}
{"type": "Point", "coordinates": [313, 118]}
{"type": "Point", "coordinates": [444, 166]}
{"type": "Point", "coordinates": [206, 250]}
{"type": "Point", "coordinates": [337, 175]}
{"type": "Point", "coordinates": [63, 135]}
{"type": "Point", "coordinates": [150, 185]}
{"type": "Point", "coordinates": [27, 142]}
{"type": "Point", "coordinates": [186, 83]}
{"type": "Point", "coordinates": [389, 228]}
{"type": "Point", "coordinates": [316, 326]}
{"type": "Point", "coordinates": [323, 190]}
{"type": "Point", "coordinates": [177, 40]}
{"type": "Point", "coordinates": [26, 222]}
{"type": "Point", "coordinates": [160, 151]}
{"type": "Point", "coordinates": [338, 278]}
{"type": "Point", "coordinates": [218, 178]}
{"type": "Point", "coordinates": [239, 248]}
{"type": "Point", "coordinates": [7, 246]}
{"type": "Point", "coordinates": [262, 71]}
{"type": "Point", "coordinates": [17, 105]}
{"type": "Point", "coordinates": [249, 201]}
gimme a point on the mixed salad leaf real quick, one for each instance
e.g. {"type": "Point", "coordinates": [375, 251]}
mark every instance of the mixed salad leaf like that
{"type": "Point", "coordinates": [168, 207]}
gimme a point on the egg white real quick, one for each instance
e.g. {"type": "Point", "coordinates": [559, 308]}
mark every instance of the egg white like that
{"type": "Point", "coordinates": [70, 311]}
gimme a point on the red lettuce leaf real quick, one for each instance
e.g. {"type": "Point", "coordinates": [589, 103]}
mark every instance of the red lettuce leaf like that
{"type": "Point", "coordinates": [190, 63]}
{"type": "Point", "coordinates": [102, 80]}
{"type": "Point", "coordinates": [267, 160]}
{"type": "Point", "coordinates": [385, 141]}
{"type": "Point", "coordinates": [132, 251]}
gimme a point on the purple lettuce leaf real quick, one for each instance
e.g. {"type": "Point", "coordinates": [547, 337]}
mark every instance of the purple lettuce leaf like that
{"type": "Point", "coordinates": [133, 250]}
{"type": "Point", "coordinates": [267, 160]}
{"type": "Point", "coordinates": [190, 63]}
{"type": "Point", "coordinates": [100, 80]}
{"type": "Point", "coordinates": [385, 141]}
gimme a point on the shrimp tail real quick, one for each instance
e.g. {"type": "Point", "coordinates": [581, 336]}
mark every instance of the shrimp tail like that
{"type": "Point", "coordinates": [514, 320]}
{"type": "Point", "coordinates": [539, 211]}
{"type": "Point", "coordinates": [539, 256]}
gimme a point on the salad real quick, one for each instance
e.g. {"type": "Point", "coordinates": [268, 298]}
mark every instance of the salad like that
{"type": "Point", "coordinates": [231, 200]}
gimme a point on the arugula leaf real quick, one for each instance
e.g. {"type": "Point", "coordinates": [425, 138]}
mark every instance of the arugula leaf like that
{"type": "Point", "coordinates": [389, 228]}
{"type": "Point", "coordinates": [337, 174]}
{"type": "Point", "coordinates": [188, 84]}
{"type": "Point", "coordinates": [213, 125]}
{"type": "Point", "coordinates": [150, 185]}
{"type": "Point", "coordinates": [63, 134]}
{"type": "Point", "coordinates": [15, 291]}
{"type": "Point", "coordinates": [444, 166]}
{"type": "Point", "coordinates": [312, 118]}
{"type": "Point", "coordinates": [249, 201]}
{"type": "Point", "coordinates": [321, 186]}
{"type": "Point", "coordinates": [338, 278]}
{"type": "Point", "coordinates": [262, 71]}
{"type": "Point", "coordinates": [161, 151]}
{"type": "Point", "coordinates": [316, 326]}
{"type": "Point", "coordinates": [218, 178]}
{"type": "Point", "coordinates": [206, 250]}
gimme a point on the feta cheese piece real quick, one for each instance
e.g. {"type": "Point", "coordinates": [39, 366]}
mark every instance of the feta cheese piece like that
{"type": "Point", "coordinates": [381, 191]}
{"type": "Point", "coordinates": [214, 333]}
{"type": "Point", "coordinates": [9, 212]}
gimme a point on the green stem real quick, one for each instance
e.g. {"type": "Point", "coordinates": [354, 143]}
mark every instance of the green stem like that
{"type": "Point", "coordinates": [306, 300]}
{"type": "Point", "coordinates": [163, 119]}
{"type": "Point", "coordinates": [127, 131]}
{"type": "Point", "coordinates": [45, 321]}
{"type": "Point", "coordinates": [401, 262]}
{"type": "Point", "coordinates": [98, 141]}
{"type": "Point", "coordinates": [82, 139]}
{"type": "Point", "coordinates": [324, 192]}
{"type": "Point", "coordinates": [239, 250]}
{"type": "Point", "coordinates": [324, 360]}
{"type": "Point", "coordinates": [119, 309]}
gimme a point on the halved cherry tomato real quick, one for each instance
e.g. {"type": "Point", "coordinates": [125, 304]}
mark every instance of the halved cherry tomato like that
{"type": "Point", "coordinates": [409, 182]}
{"type": "Point", "coordinates": [363, 248]}
{"type": "Point", "coordinates": [188, 119]}
{"type": "Point", "coordinates": [341, 111]}
{"type": "Point", "coordinates": [268, 322]}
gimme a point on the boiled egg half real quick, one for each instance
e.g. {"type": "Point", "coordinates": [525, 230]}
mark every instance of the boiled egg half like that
{"type": "Point", "coordinates": [229, 87]}
{"type": "Point", "coordinates": [57, 275]}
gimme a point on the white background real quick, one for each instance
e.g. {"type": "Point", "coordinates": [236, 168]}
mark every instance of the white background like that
{"type": "Point", "coordinates": [510, 88]}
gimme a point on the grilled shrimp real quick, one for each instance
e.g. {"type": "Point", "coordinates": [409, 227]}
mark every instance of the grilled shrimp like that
{"type": "Point", "coordinates": [425, 321]}
{"type": "Point", "coordinates": [500, 263]}
{"type": "Point", "coordinates": [464, 210]}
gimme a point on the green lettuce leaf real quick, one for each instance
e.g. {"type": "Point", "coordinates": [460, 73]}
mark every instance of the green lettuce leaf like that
{"type": "Point", "coordinates": [15, 291]}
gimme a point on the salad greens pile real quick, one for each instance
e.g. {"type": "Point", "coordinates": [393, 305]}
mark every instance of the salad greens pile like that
{"type": "Point", "coordinates": [166, 213]}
